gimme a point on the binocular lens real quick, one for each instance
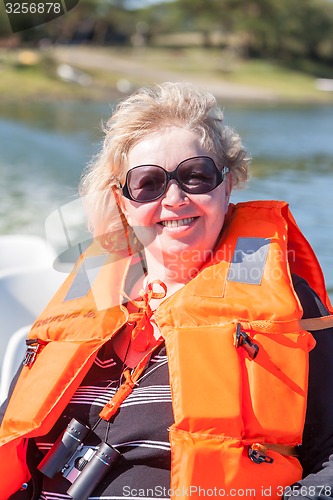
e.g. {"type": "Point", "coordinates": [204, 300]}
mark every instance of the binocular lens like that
{"type": "Point", "coordinates": [93, 472]}
{"type": "Point", "coordinates": [63, 448]}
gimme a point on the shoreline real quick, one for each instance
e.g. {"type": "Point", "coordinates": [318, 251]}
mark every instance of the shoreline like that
{"type": "Point", "coordinates": [111, 73]}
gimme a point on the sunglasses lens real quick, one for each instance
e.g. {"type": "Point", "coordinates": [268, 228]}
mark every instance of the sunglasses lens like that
{"type": "Point", "coordinates": [146, 183]}
{"type": "Point", "coordinates": [198, 175]}
{"type": "Point", "coordinates": [195, 175]}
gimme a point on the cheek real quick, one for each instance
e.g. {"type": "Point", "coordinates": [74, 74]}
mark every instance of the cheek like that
{"type": "Point", "coordinates": [216, 207]}
{"type": "Point", "coordinates": [222, 201]}
{"type": "Point", "coordinates": [138, 214]}
{"type": "Point", "coordinates": [140, 218]}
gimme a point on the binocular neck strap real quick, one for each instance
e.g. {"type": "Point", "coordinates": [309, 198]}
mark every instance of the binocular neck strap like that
{"type": "Point", "coordinates": [127, 386]}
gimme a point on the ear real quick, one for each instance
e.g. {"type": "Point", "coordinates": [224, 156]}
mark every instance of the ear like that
{"type": "Point", "coordinates": [228, 188]}
{"type": "Point", "coordinates": [121, 202]}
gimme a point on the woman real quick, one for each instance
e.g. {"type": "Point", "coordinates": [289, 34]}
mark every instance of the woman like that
{"type": "Point", "coordinates": [211, 297]}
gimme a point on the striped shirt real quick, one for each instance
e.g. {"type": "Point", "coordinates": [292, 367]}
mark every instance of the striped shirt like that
{"type": "Point", "coordinates": [139, 430]}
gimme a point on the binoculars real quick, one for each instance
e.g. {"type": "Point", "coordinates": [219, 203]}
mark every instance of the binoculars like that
{"type": "Point", "coordinates": [82, 465]}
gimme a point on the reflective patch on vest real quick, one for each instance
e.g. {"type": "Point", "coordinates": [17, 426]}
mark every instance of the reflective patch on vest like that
{"type": "Point", "coordinates": [85, 277]}
{"type": "Point", "coordinates": [248, 261]}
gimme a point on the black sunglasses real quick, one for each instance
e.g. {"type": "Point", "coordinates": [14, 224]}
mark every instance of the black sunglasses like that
{"type": "Point", "coordinates": [197, 175]}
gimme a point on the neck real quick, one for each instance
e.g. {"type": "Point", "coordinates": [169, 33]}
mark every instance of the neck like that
{"type": "Point", "coordinates": [174, 271]}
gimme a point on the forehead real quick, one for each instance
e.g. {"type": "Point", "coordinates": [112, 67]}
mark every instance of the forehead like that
{"type": "Point", "coordinates": [167, 147]}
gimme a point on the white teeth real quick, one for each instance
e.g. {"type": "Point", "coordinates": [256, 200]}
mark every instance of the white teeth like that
{"type": "Point", "coordinates": [177, 223]}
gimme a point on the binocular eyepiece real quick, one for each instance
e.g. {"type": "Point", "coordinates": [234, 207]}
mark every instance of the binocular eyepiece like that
{"type": "Point", "coordinates": [84, 466]}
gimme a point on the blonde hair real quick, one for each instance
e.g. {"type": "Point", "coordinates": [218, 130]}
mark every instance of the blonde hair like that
{"type": "Point", "coordinates": [141, 114]}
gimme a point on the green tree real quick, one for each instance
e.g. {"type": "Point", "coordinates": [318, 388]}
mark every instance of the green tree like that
{"type": "Point", "coordinates": [288, 28]}
{"type": "Point", "coordinates": [209, 15]}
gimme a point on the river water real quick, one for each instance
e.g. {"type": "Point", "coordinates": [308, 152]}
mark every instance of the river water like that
{"type": "Point", "coordinates": [44, 148]}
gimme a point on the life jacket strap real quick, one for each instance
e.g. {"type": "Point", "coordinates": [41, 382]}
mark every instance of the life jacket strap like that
{"type": "Point", "coordinates": [259, 453]}
{"type": "Point", "coordinates": [283, 449]}
{"type": "Point", "coordinates": [128, 385]}
{"type": "Point", "coordinates": [313, 324]}
{"type": "Point", "coordinates": [288, 326]}
{"type": "Point", "coordinates": [143, 331]}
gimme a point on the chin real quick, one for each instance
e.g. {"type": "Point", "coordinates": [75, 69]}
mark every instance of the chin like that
{"type": "Point", "coordinates": [184, 252]}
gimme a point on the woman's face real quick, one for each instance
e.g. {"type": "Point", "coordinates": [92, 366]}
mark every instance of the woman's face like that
{"type": "Point", "coordinates": [197, 218]}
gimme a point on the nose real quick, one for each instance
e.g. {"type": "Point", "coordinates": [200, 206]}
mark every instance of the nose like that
{"type": "Point", "coordinates": [174, 196]}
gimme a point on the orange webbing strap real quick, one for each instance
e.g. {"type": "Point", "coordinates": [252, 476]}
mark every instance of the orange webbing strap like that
{"type": "Point", "coordinates": [288, 326]}
{"type": "Point", "coordinates": [271, 326]}
{"type": "Point", "coordinates": [126, 387]}
{"type": "Point", "coordinates": [312, 324]}
{"type": "Point", "coordinates": [283, 449]}
{"type": "Point", "coordinates": [143, 331]}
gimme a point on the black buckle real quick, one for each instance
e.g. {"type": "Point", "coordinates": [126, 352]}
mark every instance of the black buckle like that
{"type": "Point", "coordinates": [244, 340]}
{"type": "Point", "coordinates": [33, 348]}
{"type": "Point", "coordinates": [259, 457]}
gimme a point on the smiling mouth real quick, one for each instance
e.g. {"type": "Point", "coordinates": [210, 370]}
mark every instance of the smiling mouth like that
{"type": "Point", "coordinates": [179, 222]}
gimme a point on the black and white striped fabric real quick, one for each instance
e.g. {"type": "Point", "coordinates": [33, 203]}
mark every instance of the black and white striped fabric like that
{"type": "Point", "coordinates": [139, 430]}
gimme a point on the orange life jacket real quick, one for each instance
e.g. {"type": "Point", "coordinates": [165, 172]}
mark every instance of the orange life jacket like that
{"type": "Point", "coordinates": [237, 349]}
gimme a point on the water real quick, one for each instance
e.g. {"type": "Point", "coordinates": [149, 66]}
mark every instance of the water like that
{"type": "Point", "coordinates": [44, 148]}
{"type": "Point", "coordinates": [292, 151]}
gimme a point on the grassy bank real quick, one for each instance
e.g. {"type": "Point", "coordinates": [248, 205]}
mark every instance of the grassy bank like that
{"type": "Point", "coordinates": [90, 73]}
{"type": "Point", "coordinates": [31, 75]}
